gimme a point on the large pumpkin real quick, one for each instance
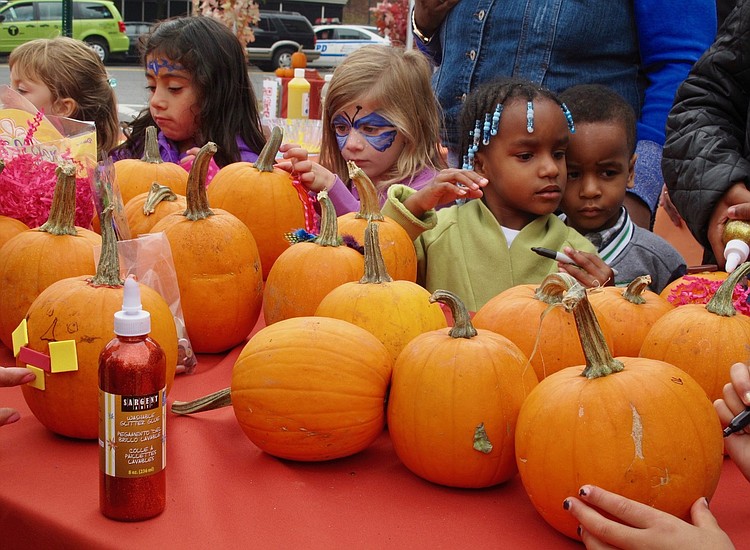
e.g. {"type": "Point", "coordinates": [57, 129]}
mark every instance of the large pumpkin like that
{"type": "Point", "coordinates": [36, 258]}
{"type": "Point", "coordinates": [699, 288]}
{"type": "Point", "coordinates": [82, 309]}
{"type": "Point", "coordinates": [144, 211]}
{"type": "Point", "coordinates": [217, 265]}
{"type": "Point", "coordinates": [455, 396]}
{"type": "Point", "coordinates": [638, 427]}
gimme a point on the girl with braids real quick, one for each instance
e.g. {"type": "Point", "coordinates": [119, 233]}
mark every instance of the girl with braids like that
{"type": "Point", "coordinates": [515, 135]}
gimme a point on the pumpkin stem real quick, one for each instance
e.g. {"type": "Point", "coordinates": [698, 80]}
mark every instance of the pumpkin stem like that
{"type": "Point", "coordinates": [267, 156]}
{"type": "Point", "coordinates": [196, 196]}
{"type": "Point", "coordinates": [156, 194]}
{"type": "Point", "coordinates": [599, 360]}
{"type": "Point", "coordinates": [721, 302]}
{"type": "Point", "coordinates": [215, 400]}
{"type": "Point", "coordinates": [108, 269]}
{"type": "Point", "coordinates": [328, 235]}
{"type": "Point", "coordinates": [634, 291]}
{"type": "Point", "coordinates": [151, 147]}
{"type": "Point", "coordinates": [369, 204]}
{"type": "Point", "coordinates": [376, 271]}
{"type": "Point", "coordinates": [62, 212]}
{"type": "Point", "coordinates": [462, 326]}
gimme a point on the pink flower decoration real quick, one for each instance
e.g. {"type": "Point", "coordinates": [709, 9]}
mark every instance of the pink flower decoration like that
{"type": "Point", "coordinates": [697, 290]}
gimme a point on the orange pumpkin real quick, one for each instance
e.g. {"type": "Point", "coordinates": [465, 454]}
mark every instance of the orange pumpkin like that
{"type": "Point", "coordinates": [34, 259]}
{"type": "Point", "coordinates": [217, 265]}
{"type": "Point", "coordinates": [299, 59]}
{"type": "Point", "coordinates": [9, 228]}
{"type": "Point", "coordinates": [135, 176]}
{"type": "Point", "coordinates": [394, 311]}
{"type": "Point", "coordinates": [307, 271]}
{"type": "Point", "coordinates": [454, 399]}
{"type": "Point", "coordinates": [683, 289]}
{"type": "Point", "coordinates": [144, 211]}
{"type": "Point", "coordinates": [82, 309]}
{"type": "Point", "coordinates": [638, 427]}
{"type": "Point", "coordinates": [396, 245]}
{"type": "Point", "coordinates": [263, 197]}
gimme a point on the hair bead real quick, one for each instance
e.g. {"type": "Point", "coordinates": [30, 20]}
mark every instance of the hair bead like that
{"type": "Point", "coordinates": [568, 117]}
{"type": "Point", "coordinates": [496, 119]}
{"type": "Point", "coordinates": [530, 116]}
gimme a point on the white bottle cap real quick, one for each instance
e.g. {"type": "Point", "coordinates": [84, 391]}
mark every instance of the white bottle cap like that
{"type": "Point", "coordinates": [299, 73]}
{"type": "Point", "coordinates": [132, 320]}
{"type": "Point", "coordinates": [735, 253]}
{"type": "Point", "coordinates": [328, 77]}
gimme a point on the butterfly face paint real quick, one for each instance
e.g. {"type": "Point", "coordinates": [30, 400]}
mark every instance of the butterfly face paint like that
{"type": "Point", "coordinates": [155, 65]}
{"type": "Point", "coordinates": [377, 130]}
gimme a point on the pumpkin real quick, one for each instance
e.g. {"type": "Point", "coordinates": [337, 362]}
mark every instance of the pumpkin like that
{"type": "Point", "coordinates": [307, 271]}
{"type": "Point", "coordinates": [396, 245]}
{"type": "Point", "coordinates": [635, 426]}
{"type": "Point", "coordinates": [217, 265]}
{"type": "Point", "coordinates": [703, 340]}
{"type": "Point", "coordinates": [630, 313]}
{"type": "Point", "coordinates": [82, 309]}
{"type": "Point", "coordinates": [534, 321]}
{"type": "Point", "coordinates": [36, 258]}
{"type": "Point", "coordinates": [263, 197]}
{"type": "Point", "coordinates": [144, 211]}
{"type": "Point", "coordinates": [299, 59]}
{"type": "Point", "coordinates": [699, 288]}
{"type": "Point", "coordinates": [394, 311]}
{"type": "Point", "coordinates": [135, 176]}
{"type": "Point", "coordinates": [454, 399]}
{"type": "Point", "coordinates": [10, 227]}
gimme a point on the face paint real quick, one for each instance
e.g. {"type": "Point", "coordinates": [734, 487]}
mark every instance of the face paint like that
{"type": "Point", "coordinates": [377, 130]}
{"type": "Point", "coordinates": [155, 65]}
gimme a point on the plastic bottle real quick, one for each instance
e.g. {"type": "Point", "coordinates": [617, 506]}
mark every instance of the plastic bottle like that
{"type": "Point", "coordinates": [324, 90]}
{"type": "Point", "coordinates": [736, 237]}
{"type": "Point", "coordinates": [132, 416]}
{"type": "Point", "coordinates": [298, 96]}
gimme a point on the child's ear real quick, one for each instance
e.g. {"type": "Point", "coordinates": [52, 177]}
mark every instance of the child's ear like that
{"type": "Point", "coordinates": [64, 107]}
{"type": "Point", "coordinates": [479, 164]}
{"type": "Point", "coordinates": [631, 171]}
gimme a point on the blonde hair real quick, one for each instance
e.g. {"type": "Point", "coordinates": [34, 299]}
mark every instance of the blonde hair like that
{"type": "Point", "coordinates": [398, 81]}
{"type": "Point", "coordinates": [70, 69]}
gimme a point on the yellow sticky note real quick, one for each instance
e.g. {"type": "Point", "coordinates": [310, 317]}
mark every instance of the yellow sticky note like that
{"type": "Point", "coordinates": [63, 356]}
{"type": "Point", "coordinates": [20, 337]}
{"type": "Point", "coordinates": [37, 383]}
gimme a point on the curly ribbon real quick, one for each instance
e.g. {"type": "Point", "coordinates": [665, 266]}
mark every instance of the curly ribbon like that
{"type": "Point", "coordinates": [308, 205]}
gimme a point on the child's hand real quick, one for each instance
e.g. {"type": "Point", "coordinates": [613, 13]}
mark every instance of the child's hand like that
{"type": "Point", "coordinates": [448, 186]}
{"type": "Point", "coordinates": [736, 398]}
{"type": "Point", "coordinates": [310, 174]}
{"type": "Point", "coordinates": [187, 163]}
{"type": "Point", "coordinates": [589, 269]}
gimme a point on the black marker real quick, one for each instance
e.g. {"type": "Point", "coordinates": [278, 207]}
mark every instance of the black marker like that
{"type": "Point", "coordinates": [739, 422]}
{"type": "Point", "coordinates": [553, 255]}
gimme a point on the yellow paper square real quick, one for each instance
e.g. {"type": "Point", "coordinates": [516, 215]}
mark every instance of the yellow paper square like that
{"type": "Point", "coordinates": [63, 356]}
{"type": "Point", "coordinates": [38, 383]}
{"type": "Point", "coordinates": [20, 337]}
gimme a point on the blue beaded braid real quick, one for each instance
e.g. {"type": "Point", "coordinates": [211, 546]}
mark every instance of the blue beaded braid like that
{"type": "Point", "coordinates": [496, 119]}
{"type": "Point", "coordinates": [568, 117]}
{"type": "Point", "coordinates": [530, 116]}
{"type": "Point", "coordinates": [486, 129]}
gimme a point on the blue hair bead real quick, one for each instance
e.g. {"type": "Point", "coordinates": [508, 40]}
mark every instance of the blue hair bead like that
{"type": "Point", "coordinates": [486, 129]}
{"type": "Point", "coordinates": [568, 117]}
{"type": "Point", "coordinates": [529, 117]}
{"type": "Point", "coordinates": [496, 119]}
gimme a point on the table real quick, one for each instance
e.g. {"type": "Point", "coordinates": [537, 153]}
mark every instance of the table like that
{"type": "Point", "coordinates": [223, 492]}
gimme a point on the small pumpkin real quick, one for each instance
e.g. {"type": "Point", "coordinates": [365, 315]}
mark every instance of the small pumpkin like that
{"type": "Point", "coordinates": [9, 228]}
{"type": "Point", "coordinates": [299, 59]}
{"type": "Point", "coordinates": [699, 288]}
{"type": "Point", "coordinates": [144, 211]}
{"type": "Point", "coordinates": [454, 399]}
{"type": "Point", "coordinates": [639, 427]}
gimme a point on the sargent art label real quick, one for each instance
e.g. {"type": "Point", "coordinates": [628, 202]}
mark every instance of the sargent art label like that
{"type": "Point", "coordinates": [132, 434]}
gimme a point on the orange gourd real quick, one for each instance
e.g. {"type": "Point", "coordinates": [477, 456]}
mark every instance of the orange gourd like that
{"type": "Point", "coordinates": [82, 309]}
{"type": "Point", "coordinates": [135, 176]}
{"type": "Point", "coordinates": [307, 271]}
{"type": "Point", "coordinates": [9, 228]}
{"type": "Point", "coordinates": [394, 311]}
{"type": "Point", "coordinates": [396, 245]}
{"type": "Point", "coordinates": [454, 399]}
{"type": "Point", "coordinates": [263, 197]}
{"type": "Point", "coordinates": [638, 427]}
{"type": "Point", "coordinates": [217, 265]}
{"type": "Point", "coordinates": [703, 340]}
{"type": "Point", "coordinates": [144, 211]}
{"type": "Point", "coordinates": [34, 259]}
{"type": "Point", "coordinates": [299, 59]}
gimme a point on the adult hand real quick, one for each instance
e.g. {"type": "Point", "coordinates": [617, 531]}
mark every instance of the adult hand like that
{"type": "Point", "coordinates": [429, 14]}
{"type": "Point", "coordinates": [13, 376]}
{"type": "Point", "coordinates": [666, 203]}
{"type": "Point", "coordinates": [736, 398]}
{"type": "Point", "coordinates": [589, 269]}
{"type": "Point", "coordinates": [735, 200]}
{"type": "Point", "coordinates": [638, 526]}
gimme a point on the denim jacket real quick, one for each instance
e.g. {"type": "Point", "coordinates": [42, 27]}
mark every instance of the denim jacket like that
{"type": "Point", "coordinates": [643, 49]}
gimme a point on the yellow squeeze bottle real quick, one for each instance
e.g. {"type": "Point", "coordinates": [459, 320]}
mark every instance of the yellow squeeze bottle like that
{"type": "Point", "coordinates": [736, 237]}
{"type": "Point", "coordinates": [298, 96]}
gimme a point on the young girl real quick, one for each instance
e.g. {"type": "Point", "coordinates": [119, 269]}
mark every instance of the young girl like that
{"type": "Point", "coordinates": [380, 112]}
{"type": "Point", "coordinates": [64, 77]}
{"type": "Point", "coordinates": [515, 135]}
{"type": "Point", "coordinates": [196, 73]}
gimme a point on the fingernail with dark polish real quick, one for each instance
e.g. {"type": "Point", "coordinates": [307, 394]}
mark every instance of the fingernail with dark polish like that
{"type": "Point", "coordinates": [583, 492]}
{"type": "Point", "coordinates": [566, 504]}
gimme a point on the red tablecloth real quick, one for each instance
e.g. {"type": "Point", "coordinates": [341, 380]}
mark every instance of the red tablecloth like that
{"type": "Point", "coordinates": [223, 492]}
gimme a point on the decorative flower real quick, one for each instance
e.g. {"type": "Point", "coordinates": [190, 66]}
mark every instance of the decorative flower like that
{"type": "Point", "coordinates": [697, 290]}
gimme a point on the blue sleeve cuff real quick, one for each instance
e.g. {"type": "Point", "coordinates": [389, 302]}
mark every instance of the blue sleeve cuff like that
{"type": "Point", "coordinates": [648, 177]}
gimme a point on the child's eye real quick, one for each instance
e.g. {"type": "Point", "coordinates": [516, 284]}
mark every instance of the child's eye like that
{"type": "Point", "coordinates": [174, 89]}
{"type": "Point", "coordinates": [609, 174]}
{"type": "Point", "coordinates": [151, 88]}
{"type": "Point", "coordinates": [573, 174]}
{"type": "Point", "coordinates": [524, 156]}
{"type": "Point", "coordinates": [341, 129]}
{"type": "Point", "coordinates": [559, 155]}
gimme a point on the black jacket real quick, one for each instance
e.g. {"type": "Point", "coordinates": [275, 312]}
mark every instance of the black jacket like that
{"type": "Point", "coordinates": [707, 146]}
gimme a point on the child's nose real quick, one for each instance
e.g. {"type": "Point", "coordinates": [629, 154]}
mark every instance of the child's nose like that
{"type": "Point", "coordinates": [589, 187]}
{"type": "Point", "coordinates": [354, 140]}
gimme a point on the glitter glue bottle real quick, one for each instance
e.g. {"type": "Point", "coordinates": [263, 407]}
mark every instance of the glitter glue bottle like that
{"type": "Point", "coordinates": [132, 416]}
{"type": "Point", "coordinates": [298, 96]}
{"type": "Point", "coordinates": [736, 237]}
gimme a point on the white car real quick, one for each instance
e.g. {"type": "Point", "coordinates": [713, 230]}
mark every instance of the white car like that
{"type": "Point", "coordinates": [335, 42]}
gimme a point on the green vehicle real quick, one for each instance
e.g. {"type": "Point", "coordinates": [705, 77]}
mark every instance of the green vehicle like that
{"type": "Point", "coordinates": [96, 22]}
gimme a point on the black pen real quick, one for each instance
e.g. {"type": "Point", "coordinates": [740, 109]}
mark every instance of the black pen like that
{"type": "Point", "coordinates": [553, 255]}
{"type": "Point", "coordinates": [738, 423]}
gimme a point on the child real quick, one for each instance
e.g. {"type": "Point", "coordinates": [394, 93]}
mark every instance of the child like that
{"type": "Point", "coordinates": [64, 77]}
{"type": "Point", "coordinates": [601, 160]}
{"type": "Point", "coordinates": [516, 135]}
{"type": "Point", "coordinates": [380, 112]}
{"type": "Point", "coordinates": [196, 73]}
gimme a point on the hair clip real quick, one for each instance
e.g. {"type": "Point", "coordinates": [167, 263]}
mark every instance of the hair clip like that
{"type": "Point", "coordinates": [568, 117]}
{"type": "Point", "coordinates": [112, 82]}
{"type": "Point", "coordinates": [496, 119]}
{"type": "Point", "coordinates": [529, 117]}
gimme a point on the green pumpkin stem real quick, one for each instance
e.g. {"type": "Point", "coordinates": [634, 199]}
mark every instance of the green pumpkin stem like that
{"type": "Point", "coordinates": [721, 303]}
{"type": "Point", "coordinates": [156, 194]}
{"type": "Point", "coordinates": [151, 147]}
{"type": "Point", "coordinates": [196, 196]}
{"type": "Point", "coordinates": [376, 271]}
{"type": "Point", "coordinates": [634, 291]}
{"type": "Point", "coordinates": [62, 212]}
{"type": "Point", "coordinates": [215, 400]}
{"type": "Point", "coordinates": [108, 269]}
{"type": "Point", "coordinates": [328, 223]}
{"type": "Point", "coordinates": [462, 326]}
{"type": "Point", "coordinates": [267, 156]}
{"type": "Point", "coordinates": [599, 360]}
{"type": "Point", "coordinates": [369, 204]}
